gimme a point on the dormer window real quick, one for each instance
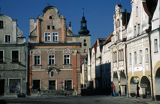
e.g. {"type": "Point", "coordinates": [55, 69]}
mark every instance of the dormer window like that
{"type": "Point", "coordinates": [7, 38]}
{"type": "Point", "coordinates": [1, 24]}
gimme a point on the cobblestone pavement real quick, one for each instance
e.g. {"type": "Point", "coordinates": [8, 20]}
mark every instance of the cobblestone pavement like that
{"type": "Point", "coordinates": [75, 100]}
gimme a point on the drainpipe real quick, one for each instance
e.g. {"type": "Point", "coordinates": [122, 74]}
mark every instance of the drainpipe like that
{"type": "Point", "coordinates": [26, 66]}
{"type": "Point", "coordinates": [126, 69]}
{"type": "Point", "coordinates": [150, 53]}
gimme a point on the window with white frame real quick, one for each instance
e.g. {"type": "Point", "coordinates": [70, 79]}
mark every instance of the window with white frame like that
{"type": "Point", "coordinates": [130, 58]}
{"type": "Point", "coordinates": [140, 57]}
{"type": "Point", "coordinates": [52, 73]}
{"type": "Point", "coordinates": [66, 59]}
{"type": "Point", "coordinates": [47, 37]}
{"type": "Point", "coordinates": [146, 55]}
{"type": "Point", "coordinates": [37, 60]}
{"type": "Point", "coordinates": [51, 59]}
{"type": "Point", "coordinates": [55, 36]}
{"type": "Point", "coordinates": [135, 58]}
{"type": "Point", "coordinates": [155, 45]}
{"type": "Point", "coordinates": [7, 38]}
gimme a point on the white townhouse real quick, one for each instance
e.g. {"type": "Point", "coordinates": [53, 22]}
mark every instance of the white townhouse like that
{"type": "Point", "coordinates": [118, 50]}
{"type": "Point", "coordinates": [155, 50]}
{"type": "Point", "coordinates": [138, 60]}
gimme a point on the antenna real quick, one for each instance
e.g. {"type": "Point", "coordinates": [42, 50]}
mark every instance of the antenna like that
{"type": "Point", "coordinates": [83, 11]}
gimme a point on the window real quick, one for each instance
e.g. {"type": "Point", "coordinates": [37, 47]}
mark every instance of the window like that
{"type": "Point", "coordinates": [135, 31]}
{"type": "Point", "coordinates": [52, 73]}
{"type": "Point", "coordinates": [84, 44]}
{"type": "Point", "coordinates": [51, 60]}
{"type": "Point", "coordinates": [36, 84]}
{"type": "Point", "coordinates": [121, 55]}
{"type": "Point", "coordinates": [1, 24]}
{"type": "Point", "coordinates": [48, 27]}
{"type": "Point", "coordinates": [140, 57]}
{"type": "Point", "coordinates": [68, 84]}
{"type": "Point", "coordinates": [130, 58]}
{"type": "Point", "coordinates": [47, 37]}
{"type": "Point", "coordinates": [155, 45]}
{"type": "Point", "coordinates": [37, 60]}
{"type": "Point", "coordinates": [66, 59]}
{"type": "Point", "coordinates": [7, 38]}
{"type": "Point", "coordinates": [114, 57]}
{"type": "Point", "coordinates": [138, 29]}
{"type": "Point", "coordinates": [50, 17]}
{"type": "Point", "coordinates": [117, 23]}
{"type": "Point", "coordinates": [52, 85]}
{"type": "Point", "coordinates": [14, 85]}
{"type": "Point", "coordinates": [15, 56]}
{"type": "Point", "coordinates": [136, 11]}
{"type": "Point", "coordinates": [53, 27]}
{"type": "Point", "coordinates": [55, 37]}
{"type": "Point", "coordinates": [1, 56]}
{"type": "Point", "coordinates": [146, 55]}
{"type": "Point", "coordinates": [135, 58]}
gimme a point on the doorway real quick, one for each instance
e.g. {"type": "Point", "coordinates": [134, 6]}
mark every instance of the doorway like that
{"type": "Point", "coordinates": [2, 83]}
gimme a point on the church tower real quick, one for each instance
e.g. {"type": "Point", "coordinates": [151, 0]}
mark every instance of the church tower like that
{"type": "Point", "coordinates": [84, 36]}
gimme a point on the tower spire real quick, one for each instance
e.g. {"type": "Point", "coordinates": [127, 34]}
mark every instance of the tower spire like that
{"type": "Point", "coordinates": [83, 30]}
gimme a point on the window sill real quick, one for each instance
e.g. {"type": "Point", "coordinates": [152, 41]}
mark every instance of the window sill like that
{"type": "Point", "coordinates": [67, 64]}
{"type": "Point", "coordinates": [37, 65]}
{"type": "Point", "coordinates": [156, 52]}
{"type": "Point", "coordinates": [51, 64]}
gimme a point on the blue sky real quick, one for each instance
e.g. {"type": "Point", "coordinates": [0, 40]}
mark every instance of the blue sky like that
{"type": "Point", "coordinates": [99, 13]}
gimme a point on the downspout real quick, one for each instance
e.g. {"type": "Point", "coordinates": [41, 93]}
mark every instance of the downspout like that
{"type": "Point", "coordinates": [150, 52]}
{"type": "Point", "coordinates": [126, 70]}
{"type": "Point", "coordinates": [26, 67]}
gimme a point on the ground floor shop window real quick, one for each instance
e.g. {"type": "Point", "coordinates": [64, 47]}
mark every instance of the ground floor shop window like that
{"type": "Point", "coordinates": [14, 85]}
{"type": "Point", "coordinates": [36, 85]}
{"type": "Point", "coordinates": [52, 85]}
{"type": "Point", "coordinates": [68, 84]}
